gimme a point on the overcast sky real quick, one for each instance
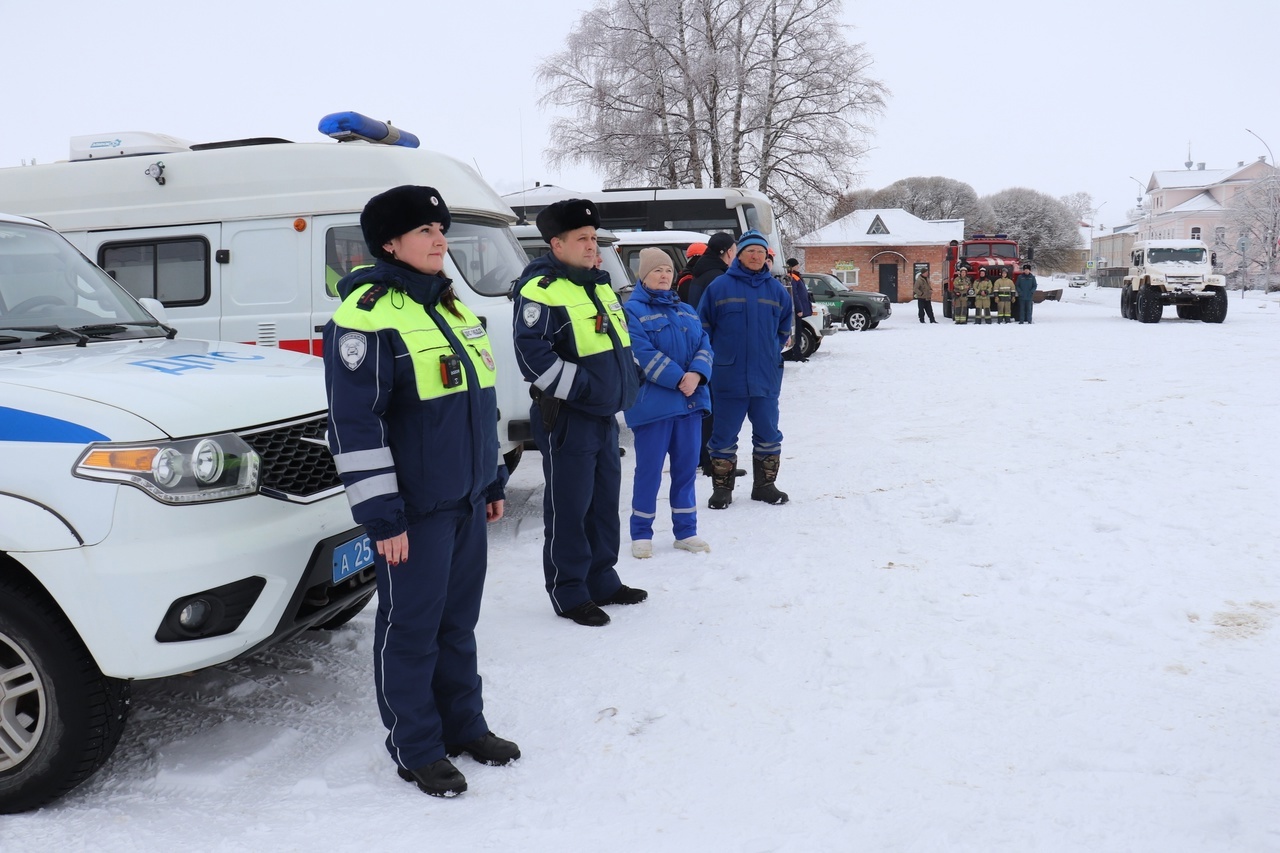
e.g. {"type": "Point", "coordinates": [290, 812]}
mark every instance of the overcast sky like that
{"type": "Point", "coordinates": [1063, 97]}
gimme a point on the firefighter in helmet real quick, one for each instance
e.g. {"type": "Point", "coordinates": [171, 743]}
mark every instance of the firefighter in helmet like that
{"type": "Point", "coordinates": [1004, 297]}
{"type": "Point", "coordinates": [982, 298]}
{"type": "Point", "coordinates": [961, 290]}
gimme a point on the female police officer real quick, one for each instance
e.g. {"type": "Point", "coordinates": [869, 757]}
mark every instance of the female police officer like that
{"type": "Point", "coordinates": [413, 431]}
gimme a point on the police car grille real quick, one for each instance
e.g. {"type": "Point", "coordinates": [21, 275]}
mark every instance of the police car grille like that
{"type": "Point", "coordinates": [296, 463]}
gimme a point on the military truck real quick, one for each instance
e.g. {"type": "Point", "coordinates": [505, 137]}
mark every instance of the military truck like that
{"type": "Point", "coordinates": [1172, 272]}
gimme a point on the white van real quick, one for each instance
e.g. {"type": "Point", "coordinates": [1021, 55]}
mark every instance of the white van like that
{"type": "Point", "coordinates": [167, 504]}
{"type": "Point", "coordinates": [244, 240]}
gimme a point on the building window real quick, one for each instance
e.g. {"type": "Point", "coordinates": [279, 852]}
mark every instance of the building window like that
{"type": "Point", "coordinates": [849, 277]}
{"type": "Point", "coordinates": [1195, 233]}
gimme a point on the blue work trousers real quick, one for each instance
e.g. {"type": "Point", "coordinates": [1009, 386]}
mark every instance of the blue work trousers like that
{"type": "Point", "coordinates": [1024, 306]}
{"type": "Point", "coordinates": [424, 642]}
{"type": "Point", "coordinates": [582, 476]}
{"type": "Point", "coordinates": [679, 438]}
{"type": "Point", "coordinates": [729, 412]}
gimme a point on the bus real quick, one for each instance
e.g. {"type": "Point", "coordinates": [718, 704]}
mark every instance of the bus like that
{"type": "Point", "coordinates": [651, 209]}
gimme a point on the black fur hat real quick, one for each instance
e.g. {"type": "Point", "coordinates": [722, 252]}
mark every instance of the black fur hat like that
{"type": "Point", "coordinates": [566, 215]}
{"type": "Point", "coordinates": [398, 211]}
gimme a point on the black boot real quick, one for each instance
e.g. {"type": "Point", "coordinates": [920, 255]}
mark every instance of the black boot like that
{"type": "Point", "coordinates": [439, 778]}
{"type": "Point", "coordinates": [722, 480]}
{"type": "Point", "coordinates": [766, 472]}
{"type": "Point", "coordinates": [490, 749]}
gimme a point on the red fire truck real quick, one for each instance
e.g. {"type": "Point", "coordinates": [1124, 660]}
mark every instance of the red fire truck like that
{"type": "Point", "coordinates": [982, 251]}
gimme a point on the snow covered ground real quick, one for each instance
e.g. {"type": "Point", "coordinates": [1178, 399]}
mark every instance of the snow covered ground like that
{"type": "Point", "coordinates": [1024, 598]}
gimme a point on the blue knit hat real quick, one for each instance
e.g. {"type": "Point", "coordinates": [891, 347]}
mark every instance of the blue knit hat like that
{"type": "Point", "coordinates": [752, 238]}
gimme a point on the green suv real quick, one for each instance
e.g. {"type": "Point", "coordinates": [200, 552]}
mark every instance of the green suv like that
{"type": "Point", "coordinates": [858, 309]}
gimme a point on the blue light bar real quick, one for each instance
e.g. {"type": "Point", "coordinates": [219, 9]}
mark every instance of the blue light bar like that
{"type": "Point", "coordinates": [347, 126]}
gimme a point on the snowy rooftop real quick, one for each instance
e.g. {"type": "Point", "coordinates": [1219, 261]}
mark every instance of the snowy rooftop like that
{"type": "Point", "coordinates": [884, 227]}
{"type": "Point", "coordinates": [1201, 201]}
{"type": "Point", "coordinates": [1175, 179]}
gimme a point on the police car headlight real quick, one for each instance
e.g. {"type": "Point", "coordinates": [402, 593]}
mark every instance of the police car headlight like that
{"type": "Point", "coordinates": [191, 470]}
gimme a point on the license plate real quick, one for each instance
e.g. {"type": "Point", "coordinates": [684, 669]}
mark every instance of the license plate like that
{"type": "Point", "coordinates": [351, 557]}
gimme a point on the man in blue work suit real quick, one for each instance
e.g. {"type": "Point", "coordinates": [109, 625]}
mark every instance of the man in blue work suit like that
{"type": "Point", "coordinates": [572, 344]}
{"type": "Point", "coordinates": [748, 316]}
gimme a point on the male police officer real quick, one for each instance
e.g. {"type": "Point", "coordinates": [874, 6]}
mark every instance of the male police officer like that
{"type": "Point", "coordinates": [571, 342]}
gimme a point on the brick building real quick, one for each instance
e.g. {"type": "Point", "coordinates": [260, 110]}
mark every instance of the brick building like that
{"type": "Point", "coordinates": [881, 250]}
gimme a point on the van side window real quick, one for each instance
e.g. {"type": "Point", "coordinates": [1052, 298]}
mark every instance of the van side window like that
{"type": "Point", "coordinates": [344, 250]}
{"type": "Point", "coordinates": [174, 271]}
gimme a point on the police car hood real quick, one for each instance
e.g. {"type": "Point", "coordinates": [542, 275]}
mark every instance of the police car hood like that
{"type": "Point", "coordinates": [183, 387]}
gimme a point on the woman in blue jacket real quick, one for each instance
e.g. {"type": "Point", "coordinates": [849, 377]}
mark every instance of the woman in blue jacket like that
{"type": "Point", "coordinates": [674, 355]}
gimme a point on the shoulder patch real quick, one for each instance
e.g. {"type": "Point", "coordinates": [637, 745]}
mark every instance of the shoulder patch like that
{"type": "Point", "coordinates": [371, 297]}
{"type": "Point", "coordinates": [531, 313]}
{"type": "Point", "coordinates": [352, 348]}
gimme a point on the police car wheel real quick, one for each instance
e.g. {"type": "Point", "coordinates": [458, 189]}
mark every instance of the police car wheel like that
{"type": "Point", "coordinates": [808, 342]}
{"type": "Point", "coordinates": [60, 718]}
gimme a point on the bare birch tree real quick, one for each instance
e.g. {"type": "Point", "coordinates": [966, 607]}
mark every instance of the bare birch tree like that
{"type": "Point", "coordinates": [931, 198]}
{"type": "Point", "coordinates": [712, 93]}
{"type": "Point", "coordinates": [1040, 222]}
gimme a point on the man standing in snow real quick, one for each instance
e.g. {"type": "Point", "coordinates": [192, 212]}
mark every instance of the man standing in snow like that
{"type": "Point", "coordinates": [923, 292]}
{"type": "Point", "coordinates": [572, 344]}
{"type": "Point", "coordinates": [1026, 294]}
{"type": "Point", "coordinates": [982, 298]}
{"type": "Point", "coordinates": [1004, 297]}
{"type": "Point", "coordinates": [748, 315]}
{"type": "Point", "coordinates": [961, 290]}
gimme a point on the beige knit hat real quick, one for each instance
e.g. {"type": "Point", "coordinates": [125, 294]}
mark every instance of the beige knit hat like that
{"type": "Point", "coordinates": [651, 259]}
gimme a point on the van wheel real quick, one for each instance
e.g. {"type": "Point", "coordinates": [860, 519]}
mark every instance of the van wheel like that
{"type": "Point", "coordinates": [856, 320]}
{"type": "Point", "coordinates": [1215, 309]}
{"type": "Point", "coordinates": [60, 717]}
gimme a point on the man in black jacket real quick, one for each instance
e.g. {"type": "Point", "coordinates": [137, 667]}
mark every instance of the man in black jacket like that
{"type": "Point", "coordinates": [713, 263]}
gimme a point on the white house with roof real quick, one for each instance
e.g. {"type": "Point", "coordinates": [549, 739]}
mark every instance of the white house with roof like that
{"type": "Point", "coordinates": [881, 250]}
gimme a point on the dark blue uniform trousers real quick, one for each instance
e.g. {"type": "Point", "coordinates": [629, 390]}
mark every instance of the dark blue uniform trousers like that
{"type": "Point", "coordinates": [680, 438]}
{"type": "Point", "coordinates": [582, 475]}
{"type": "Point", "coordinates": [729, 412]}
{"type": "Point", "coordinates": [424, 642]}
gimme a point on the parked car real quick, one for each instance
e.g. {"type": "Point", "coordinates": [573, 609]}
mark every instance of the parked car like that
{"type": "Point", "coordinates": [859, 310]}
{"type": "Point", "coordinates": [169, 504]}
{"type": "Point", "coordinates": [1077, 281]}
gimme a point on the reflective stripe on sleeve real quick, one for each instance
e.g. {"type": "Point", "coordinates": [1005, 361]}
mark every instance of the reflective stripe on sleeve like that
{"type": "Point", "coordinates": [363, 490]}
{"type": "Point", "coordinates": [363, 460]}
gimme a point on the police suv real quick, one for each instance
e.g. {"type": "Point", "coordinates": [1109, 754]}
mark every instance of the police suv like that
{"type": "Point", "coordinates": [167, 505]}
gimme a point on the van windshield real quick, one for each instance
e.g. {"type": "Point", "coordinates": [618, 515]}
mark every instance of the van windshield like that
{"type": "Point", "coordinates": [486, 254]}
{"type": "Point", "coordinates": [51, 295]}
